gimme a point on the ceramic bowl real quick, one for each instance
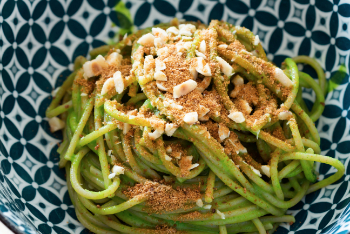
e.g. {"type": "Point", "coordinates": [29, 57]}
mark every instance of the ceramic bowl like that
{"type": "Point", "coordinates": [39, 41]}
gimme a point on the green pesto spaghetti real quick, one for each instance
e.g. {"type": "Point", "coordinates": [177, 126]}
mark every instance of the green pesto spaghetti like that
{"type": "Point", "coordinates": [188, 128]}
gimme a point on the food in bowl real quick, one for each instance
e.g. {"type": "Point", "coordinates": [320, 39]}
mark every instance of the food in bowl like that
{"type": "Point", "coordinates": [188, 128]}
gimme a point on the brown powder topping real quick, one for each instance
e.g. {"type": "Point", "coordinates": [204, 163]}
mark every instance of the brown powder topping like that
{"type": "Point", "coordinates": [192, 215]}
{"type": "Point", "coordinates": [213, 129]}
{"type": "Point", "coordinates": [185, 164]}
{"type": "Point", "coordinates": [236, 46]}
{"type": "Point", "coordinates": [176, 71]}
{"type": "Point", "coordinates": [108, 73]}
{"type": "Point", "coordinates": [278, 133]}
{"type": "Point", "coordinates": [165, 229]}
{"type": "Point", "coordinates": [88, 85]}
{"type": "Point", "coordinates": [163, 197]}
{"type": "Point", "coordinates": [249, 93]}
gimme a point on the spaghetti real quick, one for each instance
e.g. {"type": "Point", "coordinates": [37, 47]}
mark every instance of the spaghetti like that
{"type": "Point", "coordinates": [184, 128]}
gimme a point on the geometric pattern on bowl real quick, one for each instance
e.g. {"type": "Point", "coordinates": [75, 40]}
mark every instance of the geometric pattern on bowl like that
{"type": "Point", "coordinates": [39, 41]}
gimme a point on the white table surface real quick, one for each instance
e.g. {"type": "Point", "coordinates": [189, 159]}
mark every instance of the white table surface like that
{"type": "Point", "coordinates": [4, 229]}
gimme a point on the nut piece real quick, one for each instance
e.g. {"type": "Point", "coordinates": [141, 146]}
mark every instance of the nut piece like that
{"type": "Point", "coordinates": [114, 59]}
{"type": "Point", "coordinates": [202, 67]}
{"type": "Point", "coordinates": [56, 124]}
{"type": "Point", "coordinates": [184, 88]}
{"type": "Point", "coordinates": [255, 171]}
{"type": "Point", "coordinates": [202, 111]}
{"type": "Point", "coordinates": [170, 128]}
{"type": "Point", "coordinates": [222, 46]}
{"type": "Point", "coordinates": [118, 170]}
{"type": "Point", "coordinates": [163, 51]}
{"type": "Point", "coordinates": [199, 202]}
{"type": "Point", "coordinates": [161, 36]}
{"type": "Point", "coordinates": [159, 75]}
{"type": "Point", "coordinates": [94, 67]}
{"type": "Point", "coordinates": [285, 115]}
{"type": "Point", "coordinates": [191, 118]}
{"type": "Point", "coordinates": [168, 149]}
{"type": "Point", "coordinates": [54, 92]}
{"type": "Point", "coordinates": [237, 116]}
{"type": "Point", "coordinates": [246, 109]}
{"type": "Point", "coordinates": [126, 128]}
{"type": "Point", "coordinates": [149, 64]}
{"type": "Point", "coordinates": [183, 46]}
{"type": "Point", "coordinates": [200, 54]}
{"type": "Point", "coordinates": [161, 87]}
{"type": "Point", "coordinates": [193, 166]}
{"type": "Point", "coordinates": [202, 47]}
{"type": "Point", "coordinates": [187, 29]}
{"type": "Point", "coordinates": [160, 65]}
{"type": "Point", "coordinates": [167, 158]}
{"type": "Point", "coordinates": [173, 30]}
{"type": "Point", "coordinates": [282, 78]}
{"type": "Point", "coordinates": [154, 135]}
{"type": "Point", "coordinates": [256, 40]}
{"type": "Point", "coordinates": [266, 170]}
{"type": "Point", "coordinates": [238, 80]}
{"type": "Point", "coordinates": [207, 207]}
{"type": "Point", "coordinates": [107, 85]}
{"type": "Point", "coordinates": [225, 66]}
{"type": "Point", "coordinates": [222, 215]}
{"type": "Point", "coordinates": [118, 82]}
{"type": "Point", "coordinates": [146, 40]}
{"type": "Point", "coordinates": [193, 72]}
{"type": "Point", "coordinates": [224, 132]}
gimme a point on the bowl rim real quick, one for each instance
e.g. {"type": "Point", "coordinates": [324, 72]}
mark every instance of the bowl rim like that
{"type": "Point", "coordinates": [10, 225]}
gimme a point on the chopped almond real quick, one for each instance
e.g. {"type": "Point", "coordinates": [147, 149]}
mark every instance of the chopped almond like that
{"type": "Point", "coordinates": [193, 72]}
{"type": "Point", "coordinates": [266, 170]}
{"type": "Point", "coordinates": [160, 65]}
{"type": "Point", "coordinates": [223, 46]}
{"type": "Point", "coordinates": [107, 85]}
{"type": "Point", "coordinates": [282, 78]}
{"type": "Point", "coordinates": [155, 134]}
{"type": "Point", "coordinates": [161, 87]}
{"type": "Point", "coordinates": [202, 67]}
{"type": "Point", "coordinates": [56, 124]}
{"type": "Point", "coordinates": [118, 170]}
{"type": "Point", "coordinates": [256, 40]}
{"type": "Point", "coordinates": [184, 88]}
{"type": "Point", "coordinates": [224, 132]}
{"type": "Point", "coordinates": [146, 40]}
{"type": "Point", "coordinates": [159, 75]}
{"type": "Point", "coordinates": [237, 116]}
{"type": "Point", "coordinates": [163, 51]}
{"type": "Point", "coordinates": [187, 29]}
{"type": "Point", "coordinates": [285, 115]}
{"type": "Point", "coordinates": [202, 111]}
{"type": "Point", "coordinates": [126, 128]}
{"type": "Point", "coordinates": [202, 47]}
{"type": "Point", "coordinates": [114, 59]}
{"type": "Point", "coordinates": [161, 37]}
{"type": "Point", "coordinates": [172, 30]}
{"type": "Point", "coordinates": [238, 80]}
{"type": "Point", "coordinates": [119, 82]}
{"type": "Point", "coordinates": [170, 128]}
{"type": "Point", "coordinates": [225, 67]}
{"type": "Point", "coordinates": [94, 67]}
{"type": "Point", "coordinates": [191, 118]}
{"type": "Point", "coordinates": [149, 64]}
{"type": "Point", "coordinates": [200, 54]}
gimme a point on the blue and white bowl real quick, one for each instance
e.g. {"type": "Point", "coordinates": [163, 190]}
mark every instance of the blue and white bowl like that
{"type": "Point", "coordinates": [39, 41]}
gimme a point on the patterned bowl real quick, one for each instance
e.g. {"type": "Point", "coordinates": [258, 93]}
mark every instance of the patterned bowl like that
{"type": "Point", "coordinates": [39, 41]}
